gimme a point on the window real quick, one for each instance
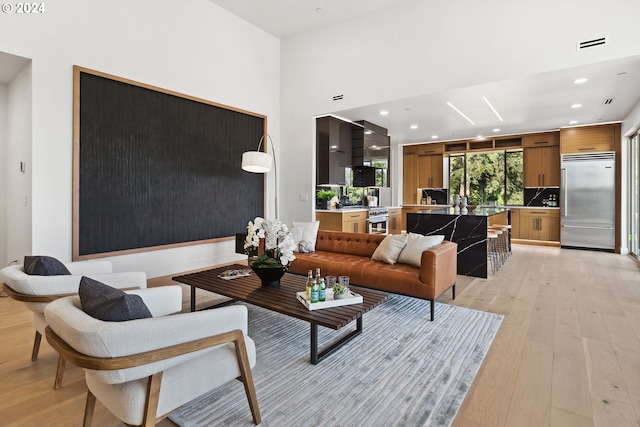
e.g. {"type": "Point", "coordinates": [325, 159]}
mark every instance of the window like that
{"type": "Point", "coordinates": [485, 177]}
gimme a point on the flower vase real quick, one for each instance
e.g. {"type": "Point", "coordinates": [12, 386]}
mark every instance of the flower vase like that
{"type": "Point", "coordinates": [456, 204]}
{"type": "Point", "coordinates": [269, 276]}
{"type": "Point", "coordinates": [463, 206]}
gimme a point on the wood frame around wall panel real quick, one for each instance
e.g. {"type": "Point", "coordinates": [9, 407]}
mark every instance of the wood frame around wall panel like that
{"type": "Point", "coordinates": [76, 255]}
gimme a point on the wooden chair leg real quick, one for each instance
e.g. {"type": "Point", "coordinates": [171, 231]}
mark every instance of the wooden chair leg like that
{"type": "Point", "coordinates": [36, 346]}
{"type": "Point", "coordinates": [247, 379]}
{"type": "Point", "coordinates": [59, 372]}
{"type": "Point", "coordinates": [153, 396]}
{"type": "Point", "coordinates": [89, 407]}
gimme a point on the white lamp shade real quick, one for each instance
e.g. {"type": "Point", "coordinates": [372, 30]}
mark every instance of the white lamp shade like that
{"type": "Point", "coordinates": [256, 161]}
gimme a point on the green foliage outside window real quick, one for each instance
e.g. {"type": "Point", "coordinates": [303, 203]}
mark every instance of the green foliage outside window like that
{"type": "Point", "coordinates": [482, 178]}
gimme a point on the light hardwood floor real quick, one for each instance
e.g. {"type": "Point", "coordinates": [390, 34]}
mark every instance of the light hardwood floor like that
{"type": "Point", "coordinates": [567, 353]}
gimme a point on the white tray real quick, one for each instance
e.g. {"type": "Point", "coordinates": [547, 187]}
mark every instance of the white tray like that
{"type": "Point", "coordinates": [352, 298]}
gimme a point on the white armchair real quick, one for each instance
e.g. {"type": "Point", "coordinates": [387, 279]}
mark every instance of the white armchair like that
{"type": "Point", "coordinates": [35, 292]}
{"type": "Point", "coordinates": [144, 369]}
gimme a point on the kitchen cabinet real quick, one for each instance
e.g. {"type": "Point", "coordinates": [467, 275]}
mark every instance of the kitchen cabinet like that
{"type": "Point", "coordinates": [395, 220]}
{"type": "Point", "coordinates": [539, 224]}
{"type": "Point", "coordinates": [589, 139]}
{"type": "Point", "coordinates": [410, 174]}
{"type": "Point", "coordinates": [545, 139]}
{"type": "Point", "coordinates": [515, 223]}
{"type": "Point", "coordinates": [541, 166]}
{"type": "Point", "coordinates": [430, 171]}
{"type": "Point", "coordinates": [353, 221]}
{"type": "Point", "coordinates": [333, 150]}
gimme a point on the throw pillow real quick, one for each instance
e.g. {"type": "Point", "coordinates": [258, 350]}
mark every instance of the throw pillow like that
{"type": "Point", "coordinates": [110, 304]}
{"type": "Point", "coordinates": [416, 244]}
{"type": "Point", "coordinates": [44, 266]}
{"type": "Point", "coordinates": [389, 249]}
{"type": "Point", "coordinates": [305, 232]}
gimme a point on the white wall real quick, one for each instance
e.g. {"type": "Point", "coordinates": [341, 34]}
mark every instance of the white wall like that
{"type": "Point", "coordinates": [426, 47]}
{"type": "Point", "coordinates": [194, 48]}
{"type": "Point", "coordinates": [3, 177]}
{"type": "Point", "coordinates": [19, 194]}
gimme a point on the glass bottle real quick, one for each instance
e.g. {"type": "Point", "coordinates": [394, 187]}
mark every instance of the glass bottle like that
{"type": "Point", "coordinates": [314, 291]}
{"type": "Point", "coordinates": [308, 284]}
{"type": "Point", "coordinates": [322, 290]}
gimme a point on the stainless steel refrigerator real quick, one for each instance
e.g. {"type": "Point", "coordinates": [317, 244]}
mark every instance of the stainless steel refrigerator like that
{"type": "Point", "coordinates": [587, 201]}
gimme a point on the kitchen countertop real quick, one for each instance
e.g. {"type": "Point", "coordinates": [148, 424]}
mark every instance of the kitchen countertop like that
{"type": "Point", "coordinates": [354, 209]}
{"type": "Point", "coordinates": [475, 212]}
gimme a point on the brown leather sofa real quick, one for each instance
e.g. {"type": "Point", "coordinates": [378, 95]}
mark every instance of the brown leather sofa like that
{"type": "Point", "coordinates": [338, 253]}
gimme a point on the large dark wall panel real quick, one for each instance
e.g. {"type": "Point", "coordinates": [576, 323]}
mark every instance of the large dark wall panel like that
{"type": "Point", "coordinates": [153, 168]}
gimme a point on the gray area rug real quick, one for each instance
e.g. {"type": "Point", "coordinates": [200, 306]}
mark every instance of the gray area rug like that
{"type": "Point", "coordinates": [403, 370]}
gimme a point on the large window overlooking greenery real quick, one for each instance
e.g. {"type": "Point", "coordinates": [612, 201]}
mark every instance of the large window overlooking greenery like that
{"type": "Point", "coordinates": [486, 177]}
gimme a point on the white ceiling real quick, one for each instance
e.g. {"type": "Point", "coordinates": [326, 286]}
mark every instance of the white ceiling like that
{"type": "Point", "coordinates": [533, 103]}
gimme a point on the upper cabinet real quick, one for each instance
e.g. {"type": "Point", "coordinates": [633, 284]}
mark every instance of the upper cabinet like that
{"type": "Point", "coordinates": [430, 171]}
{"type": "Point", "coordinates": [541, 159]}
{"type": "Point", "coordinates": [333, 151]}
{"type": "Point", "coordinates": [410, 174]}
{"type": "Point", "coordinates": [371, 146]}
{"type": "Point", "coordinates": [589, 139]}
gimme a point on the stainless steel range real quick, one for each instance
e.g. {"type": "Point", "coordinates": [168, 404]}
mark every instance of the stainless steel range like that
{"type": "Point", "coordinates": [378, 220]}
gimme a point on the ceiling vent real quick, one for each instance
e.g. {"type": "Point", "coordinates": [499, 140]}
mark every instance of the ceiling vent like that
{"type": "Point", "coordinates": [336, 98]}
{"type": "Point", "coordinates": [607, 101]}
{"type": "Point", "coordinates": [586, 44]}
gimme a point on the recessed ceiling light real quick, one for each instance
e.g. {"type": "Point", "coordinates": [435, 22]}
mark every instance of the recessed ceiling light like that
{"type": "Point", "coordinates": [576, 106]}
{"type": "Point", "coordinates": [580, 81]}
{"type": "Point", "coordinates": [480, 137]}
{"type": "Point", "coordinates": [496, 130]}
{"type": "Point", "coordinates": [414, 126]}
{"type": "Point", "coordinates": [434, 136]}
{"type": "Point", "coordinates": [573, 122]}
{"type": "Point", "coordinates": [384, 112]}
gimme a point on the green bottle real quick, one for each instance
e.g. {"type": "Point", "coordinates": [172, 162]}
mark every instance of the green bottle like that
{"type": "Point", "coordinates": [322, 291]}
{"type": "Point", "coordinates": [308, 285]}
{"type": "Point", "coordinates": [314, 291]}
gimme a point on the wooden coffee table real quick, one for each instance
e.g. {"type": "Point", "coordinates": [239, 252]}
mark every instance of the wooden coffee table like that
{"type": "Point", "coordinates": [282, 299]}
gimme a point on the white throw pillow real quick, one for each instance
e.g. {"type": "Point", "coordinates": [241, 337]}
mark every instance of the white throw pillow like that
{"type": "Point", "coordinates": [389, 249]}
{"type": "Point", "coordinates": [416, 244]}
{"type": "Point", "coordinates": [305, 233]}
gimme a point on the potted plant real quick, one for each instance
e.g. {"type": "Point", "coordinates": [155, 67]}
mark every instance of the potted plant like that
{"type": "Point", "coordinates": [339, 291]}
{"type": "Point", "coordinates": [325, 196]}
{"type": "Point", "coordinates": [273, 262]}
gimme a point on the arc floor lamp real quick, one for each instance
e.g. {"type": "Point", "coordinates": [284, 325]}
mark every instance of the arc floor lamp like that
{"type": "Point", "coordinates": [260, 162]}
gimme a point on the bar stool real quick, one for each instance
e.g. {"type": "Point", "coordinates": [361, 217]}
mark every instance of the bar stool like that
{"type": "Point", "coordinates": [506, 227]}
{"type": "Point", "coordinates": [492, 250]}
{"type": "Point", "coordinates": [502, 245]}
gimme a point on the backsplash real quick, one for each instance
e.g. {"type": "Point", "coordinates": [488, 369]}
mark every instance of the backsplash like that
{"type": "Point", "coordinates": [441, 196]}
{"type": "Point", "coordinates": [534, 196]}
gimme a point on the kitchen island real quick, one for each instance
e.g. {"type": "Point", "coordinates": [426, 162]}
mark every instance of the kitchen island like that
{"type": "Point", "coordinates": [468, 230]}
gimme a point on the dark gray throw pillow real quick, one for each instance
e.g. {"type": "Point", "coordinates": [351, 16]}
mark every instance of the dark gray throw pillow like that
{"type": "Point", "coordinates": [44, 266]}
{"type": "Point", "coordinates": [110, 304]}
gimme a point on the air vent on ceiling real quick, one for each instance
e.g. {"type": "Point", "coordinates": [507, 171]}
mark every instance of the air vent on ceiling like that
{"type": "Point", "coordinates": [607, 101]}
{"type": "Point", "coordinates": [600, 41]}
{"type": "Point", "coordinates": [336, 98]}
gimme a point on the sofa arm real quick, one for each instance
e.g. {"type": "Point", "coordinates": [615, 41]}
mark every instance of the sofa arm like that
{"type": "Point", "coordinates": [439, 266]}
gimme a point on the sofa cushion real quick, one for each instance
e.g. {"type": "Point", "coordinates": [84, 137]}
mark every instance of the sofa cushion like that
{"type": "Point", "coordinates": [44, 266]}
{"type": "Point", "coordinates": [110, 304]}
{"type": "Point", "coordinates": [416, 244]}
{"type": "Point", "coordinates": [304, 235]}
{"type": "Point", "coordinates": [390, 248]}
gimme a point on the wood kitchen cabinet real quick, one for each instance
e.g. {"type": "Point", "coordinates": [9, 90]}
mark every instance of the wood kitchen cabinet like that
{"type": "Point", "coordinates": [395, 220]}
{"type": "Point", "coordinates": [430, 171]}
{"type": "Point", "coordinates": [541, 166]}
{"type": "Point", "coordinates": [539, 224]}
{"type": "Point", "coordinates": [589, 139]}
{"type": "Point", "coordinates": [410, 174]}
{"type": "Point", "coordinates": [354, 221]}
{"type": "Point", "coordinates": [541, 139]}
